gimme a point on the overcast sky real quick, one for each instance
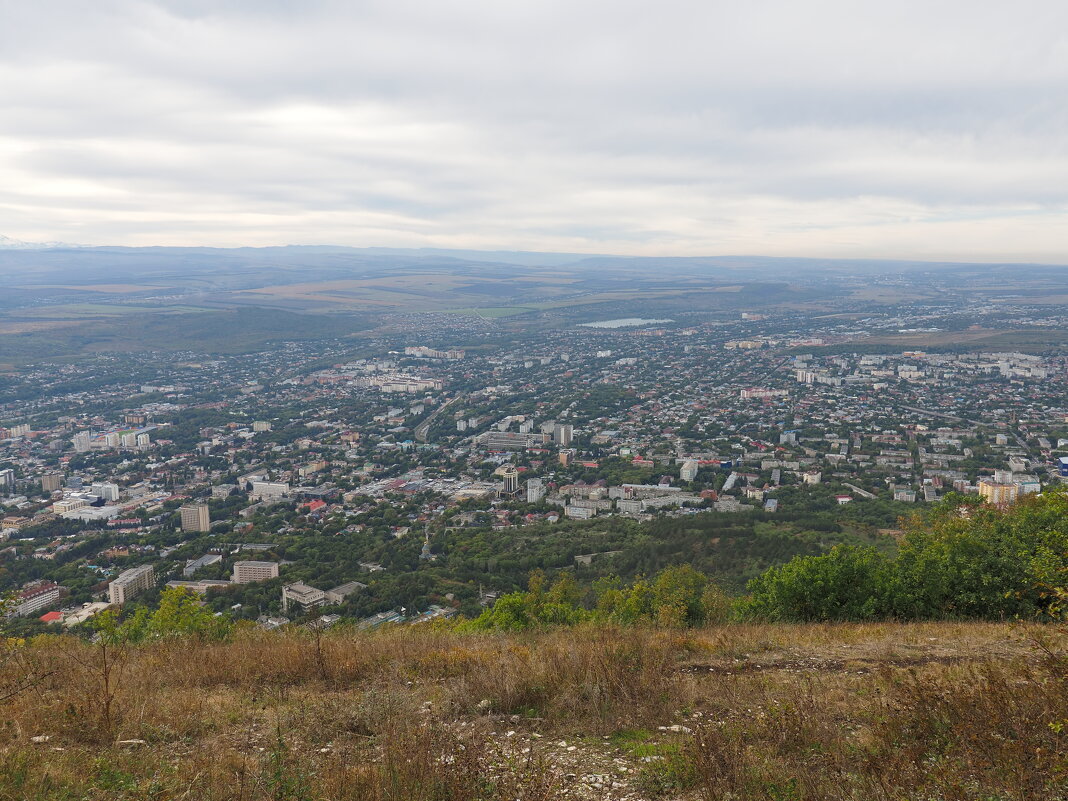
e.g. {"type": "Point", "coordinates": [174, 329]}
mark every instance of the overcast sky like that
{"type": "Point", "coordinates": [933, 129]}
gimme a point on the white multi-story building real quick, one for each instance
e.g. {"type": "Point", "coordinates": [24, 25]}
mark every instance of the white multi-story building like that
{"type": "Point", "coordinates": [563, 433]}
{"type": "Point", "coordinates": [249, 572]}
{"type": "Point", "coordinates": [35, 598]}
{"type": "Point", "coordinates": [106, 490]}
{"type": "Point", "coordinates": [130, 583]}
{"type": "Point", "coordinates": [579, 512]}
{"type": "Point", "coordinates": [268, 489]}
{"type": "Point", "coordinates": [302, 595]}
{"type": "Point", "coordinates": [535, 490]}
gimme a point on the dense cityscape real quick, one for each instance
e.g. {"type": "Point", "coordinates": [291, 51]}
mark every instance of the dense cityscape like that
{"type": "Point", "coordinates": [412, 477]}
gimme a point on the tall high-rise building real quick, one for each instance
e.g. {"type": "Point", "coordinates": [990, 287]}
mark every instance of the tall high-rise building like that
{"type": "Point", "coordinates": [130, 583]}
{"type": "Point", "coordinates": [81, 442]}
{"type": "Point", "coordinates": [50, 482]}
{"type": "Point", "coordinates": [511, 480]}
{"type": "Point", "coordinates": [7, 480]}
{"type": "Point", "coordinates": [106, 490]}
{"type": "Point", "coordinates": [195, 517]}
{"type": "Point", "coordinates": [563, 433]}
{"type": "Point", "coordinates": [998, 493]}
{"type": "Point", "coordinates": [688, 471]}
{"type": "Point", "coordinates": [535, 490]}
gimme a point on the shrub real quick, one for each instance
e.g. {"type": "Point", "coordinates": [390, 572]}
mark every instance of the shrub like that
{"type": "Point", "coordinates": [845, 584]}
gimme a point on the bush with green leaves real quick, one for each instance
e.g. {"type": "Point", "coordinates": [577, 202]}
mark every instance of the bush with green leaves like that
{"type": "Point", "coordinates": [180, 613]}
{"type": "Point", "coordinates": [846, 584]}
{"type": "Point", "coordinates": [963, 560]}
{"type": "Point", "coordinates": [677, 596]}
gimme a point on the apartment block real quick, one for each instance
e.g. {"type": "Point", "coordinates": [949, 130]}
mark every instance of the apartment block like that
{"type": "Point", "coordinates": [249, 572]}
{"type": "Point", "coordinates": [130, 583]}
{"type": "Point", "coordinates": [195, 517]}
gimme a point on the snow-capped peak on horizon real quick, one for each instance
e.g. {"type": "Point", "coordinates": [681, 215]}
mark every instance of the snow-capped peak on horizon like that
{"type": "Point", "coordinates": [7, 243]}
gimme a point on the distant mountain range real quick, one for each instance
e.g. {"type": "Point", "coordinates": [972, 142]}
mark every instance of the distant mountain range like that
{"type": "Point", "coordinates": [7, 243]}
{"type": "Point", "coordinates": [501, 256]}
{"type": "Point", "coordinates": [342, 258]}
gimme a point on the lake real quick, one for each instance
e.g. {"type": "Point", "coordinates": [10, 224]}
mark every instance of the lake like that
{"type": "Point", "coordinates": [624, 322]}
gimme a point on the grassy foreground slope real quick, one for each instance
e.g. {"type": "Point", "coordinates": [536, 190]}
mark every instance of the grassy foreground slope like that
{"type": "Point", "coordinates": [787, 711]}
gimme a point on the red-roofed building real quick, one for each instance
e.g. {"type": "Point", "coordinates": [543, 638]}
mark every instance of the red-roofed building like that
{"type": "Point", "coordinates": [51, 617]}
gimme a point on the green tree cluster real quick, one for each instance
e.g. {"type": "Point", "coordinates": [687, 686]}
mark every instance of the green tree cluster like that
{"type": "Point", "coordinates": [677, 596]}
{"type": "Point", "coordinates": [964, 560]}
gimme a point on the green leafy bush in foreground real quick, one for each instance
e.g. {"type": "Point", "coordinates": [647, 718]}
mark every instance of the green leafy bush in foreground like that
{"type": "Point", "coordinates": [181, 613]}
{"type": "Point", "coordinates": [963, 560]}
{"type": "Point", "coordinates": [677, 596]}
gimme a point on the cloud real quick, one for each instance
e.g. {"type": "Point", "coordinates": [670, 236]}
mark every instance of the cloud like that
{"type": "Point", "coordinates": [821, 128]}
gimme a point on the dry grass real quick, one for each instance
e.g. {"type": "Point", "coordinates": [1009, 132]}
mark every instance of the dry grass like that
{"type": "Point", "coordinates": [30, 326]}
{"type": "Point", "coordinates": [116, 289]}
{"type": "Point", "coordinates": [926, 711]}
